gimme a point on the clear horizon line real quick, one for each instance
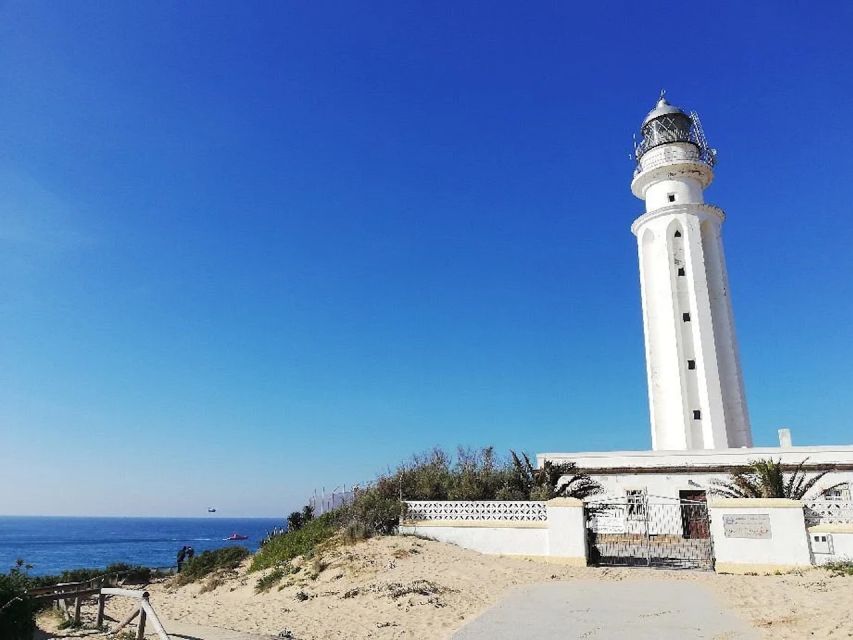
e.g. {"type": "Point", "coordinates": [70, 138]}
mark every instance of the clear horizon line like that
{"type": "Point", "coordinates": [48, 515]}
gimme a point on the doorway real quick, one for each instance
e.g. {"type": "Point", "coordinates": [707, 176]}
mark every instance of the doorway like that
{"type": "Point", "coordinates": [694, 514]}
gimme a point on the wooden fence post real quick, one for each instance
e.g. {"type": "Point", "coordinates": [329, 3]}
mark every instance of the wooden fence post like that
{"type": "Point", "coordinates": [140, 629]}
{"type": "Point", "coordinates": [99, 622]}
{"type": "Point", "coordinates": [78, 602]}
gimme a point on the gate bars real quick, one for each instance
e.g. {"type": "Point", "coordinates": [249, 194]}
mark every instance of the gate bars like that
{"type": "Point", "coordinates": [640, 530]}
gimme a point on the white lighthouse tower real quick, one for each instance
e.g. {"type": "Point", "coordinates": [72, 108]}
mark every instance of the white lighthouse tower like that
{"type": "Point", "coordinates": [696, 396]}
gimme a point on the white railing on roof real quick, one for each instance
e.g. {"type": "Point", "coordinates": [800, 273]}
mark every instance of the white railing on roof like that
{"type": "Point", "coordinates": [828, 512]}
{"type": "Point", "coordinates": [520, 510]}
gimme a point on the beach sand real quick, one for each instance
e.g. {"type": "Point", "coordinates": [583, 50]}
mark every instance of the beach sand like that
{"type": "Point", "coordinates": [406, 587]}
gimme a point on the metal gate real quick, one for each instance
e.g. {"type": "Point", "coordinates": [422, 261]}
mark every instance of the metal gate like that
{"type": "Point", "coordinates": [647, 531]}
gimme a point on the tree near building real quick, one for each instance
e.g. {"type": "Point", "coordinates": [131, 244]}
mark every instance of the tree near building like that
{"type": "Point", "coordinates": [766, 478]}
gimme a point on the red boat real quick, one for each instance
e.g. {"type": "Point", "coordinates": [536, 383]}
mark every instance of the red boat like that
{"type": "Point", "coordinates": [236, 536]}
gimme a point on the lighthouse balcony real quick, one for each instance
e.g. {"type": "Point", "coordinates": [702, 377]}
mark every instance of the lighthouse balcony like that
{"type": "Point", "coordinates": [674, 153]}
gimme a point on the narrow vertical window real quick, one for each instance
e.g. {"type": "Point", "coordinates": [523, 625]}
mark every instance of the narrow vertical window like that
{"type": "Point", "coordinates": [697, 415]}
{"type": "Point", "coordinates": [681, 271]}
{"type": "Point", "coordinates": [691, 364]}
{"type": "Point", "coordinates": [685, 317]}
{"type": "Point", "coordinates": [671, 197]}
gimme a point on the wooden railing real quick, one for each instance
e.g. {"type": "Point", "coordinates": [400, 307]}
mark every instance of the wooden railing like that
{"type": "Point", "coordinates": [145, 612]}
{"type": "Point", "coordinates": [76, 591]}
{"type": "Point", "coordinates": [64, 593]}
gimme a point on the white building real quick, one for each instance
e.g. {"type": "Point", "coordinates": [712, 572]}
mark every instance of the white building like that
{"type": "Point", "coordinates": [699, 419]}
{"type": "Point", "coordinates": [654, 510]}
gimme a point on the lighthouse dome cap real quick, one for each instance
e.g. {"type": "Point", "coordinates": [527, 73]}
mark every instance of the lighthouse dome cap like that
{"type": "Point", "coordinates": [662, 108]}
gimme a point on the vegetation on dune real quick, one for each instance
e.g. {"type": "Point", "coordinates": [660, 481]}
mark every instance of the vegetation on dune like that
{"type": "Point", "coordinates": [286, 546]}
{"type": "Point", "coordinates": [527, 482]}
{"type": "Point", "coordinates": [766, 478]}
{"type": "Point", "coordinates": [267, 582]}
{"type": "Point", "coordinates": [127, 572]}
{"type": "Point", "coordinates": [839, 568]}
{"type": "Point", "coordinates": [207, 562]}
{"type": "Point", "coordinates": [482, 475]}
{"type": "Point", "coordinates": [298, 518]}
{"type": "Point", "coordinates": [17, 610]}
{"type": "Point", "coordinates": [474, 474]}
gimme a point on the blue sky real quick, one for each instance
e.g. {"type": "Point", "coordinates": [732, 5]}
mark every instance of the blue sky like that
{"type": "Point", "coordinates": [250, 249]}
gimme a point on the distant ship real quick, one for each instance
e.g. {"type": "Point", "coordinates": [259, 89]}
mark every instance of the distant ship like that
{"type": "Point", "coordinates": [211, 509]}
{"type": "Point", "coordinates": [236, 536]}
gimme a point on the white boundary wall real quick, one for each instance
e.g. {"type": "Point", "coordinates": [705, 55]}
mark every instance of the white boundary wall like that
{"type": "Point", "coordinates": [513, 540]}
{"type": "Point", "coordinates": [759, 535]}
{"type": "Point", "coordinates": [554, 529]}
{"type": "Point", "coordinates": [749, 535]}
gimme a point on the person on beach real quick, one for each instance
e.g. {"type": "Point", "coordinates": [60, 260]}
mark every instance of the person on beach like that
{"type": "Point", "coordinates": [182, 554]}
{"type": "Point", "coordinates": [190, 553]}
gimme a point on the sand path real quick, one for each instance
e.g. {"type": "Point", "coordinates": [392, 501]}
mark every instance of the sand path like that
{"type": "Point", "coordinates": [187, 631]}
{"type": "Point", "coordinates": [597, 611]}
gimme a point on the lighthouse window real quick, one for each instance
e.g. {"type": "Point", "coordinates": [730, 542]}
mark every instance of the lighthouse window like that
{"type": "Point", "coordinates": [697, 415]}
{"type": "Point", "coordinates": [681, 271]}
{"type": "Point", "coordinates": [677, 233]}
{"type": "Point", "coordinates": [671, 197]}
{"type": "Point", "coordinates": [685, 317]}
{"type": "Point", "coordinates": [691, 364]}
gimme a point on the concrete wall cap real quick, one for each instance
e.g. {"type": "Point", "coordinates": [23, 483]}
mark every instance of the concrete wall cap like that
{"type": "Point", "coordinates": [755, 503]}
{"type": "Point", "coordinates": [564, 502]}
{"type": "Point", "coordinates": [838, 527]}
{"type": "Point", "coordinates": [478, 524]}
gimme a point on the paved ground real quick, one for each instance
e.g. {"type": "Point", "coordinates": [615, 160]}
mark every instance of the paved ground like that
{"type": "Point", "coordinates": [640, 610]}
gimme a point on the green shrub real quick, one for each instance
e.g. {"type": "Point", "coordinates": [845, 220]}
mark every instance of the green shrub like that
{"type": "Point", "coordinates": [840, 567]}
{"type": "Point", "coordinates": [376, 513]}
{"type": "Point", "coordinates": [479, 474]}
{"type": "Point", "coordinates": [224, 559]}
{"type": "Point", "coordinates": [294, 521]}
{"type": "Point", "coordinates": [119, 570]}
{"type": "Point", "coordinates": [275, 576]}
{"type": "Point", "coordinates": [355, 532]}
{"type": "Point", "coordinates": [131, 572]}
{"type": "Point", "coordinates": [268, 581]}
{"type": "Point", "coordinates": [286, 546]}
{"type": "Point", "coordinates": [17, 610]}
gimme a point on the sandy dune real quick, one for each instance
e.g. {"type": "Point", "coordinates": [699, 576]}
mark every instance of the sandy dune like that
{"type": "Point", "coordinates": [405, 587]}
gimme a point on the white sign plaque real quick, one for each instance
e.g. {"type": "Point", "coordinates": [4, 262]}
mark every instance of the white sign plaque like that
{"type": "Point", "coordinates": [747, 525]}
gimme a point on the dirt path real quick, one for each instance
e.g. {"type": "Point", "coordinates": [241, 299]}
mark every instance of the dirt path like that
{"type": "Point", "coordinates": [187, 631]}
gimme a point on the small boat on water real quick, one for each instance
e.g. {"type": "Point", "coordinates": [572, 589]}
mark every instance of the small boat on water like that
{"type": "Point", "coordinates": [236, 536]}
{"type": "Point", "coordinates": [211, 509]}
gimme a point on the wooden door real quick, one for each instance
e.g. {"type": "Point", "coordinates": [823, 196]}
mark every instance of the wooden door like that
{"type": "Point", "coordinates": [694, 514]}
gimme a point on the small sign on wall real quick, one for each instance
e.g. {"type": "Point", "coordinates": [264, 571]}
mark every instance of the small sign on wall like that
{"type": "Point", "coordinates": [747, 525]}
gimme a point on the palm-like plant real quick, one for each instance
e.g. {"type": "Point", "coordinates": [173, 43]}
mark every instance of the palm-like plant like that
{"type": "Point", "coordinates": [766, 479]}
{"type": "Point", "coordinates": [545, 483]}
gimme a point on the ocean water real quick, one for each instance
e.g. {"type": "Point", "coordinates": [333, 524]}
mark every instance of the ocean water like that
{"type": "Point", "coordinates": [52, 544]}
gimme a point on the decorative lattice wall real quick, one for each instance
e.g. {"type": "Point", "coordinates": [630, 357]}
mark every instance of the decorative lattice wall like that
{"type": "Point", "coordinates": [521, 510]}
{"type": "Point", "coordinates": [828, 512]}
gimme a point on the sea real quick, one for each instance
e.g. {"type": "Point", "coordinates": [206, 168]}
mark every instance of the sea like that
{"type": "Point", "coordinates": [52, 544]}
